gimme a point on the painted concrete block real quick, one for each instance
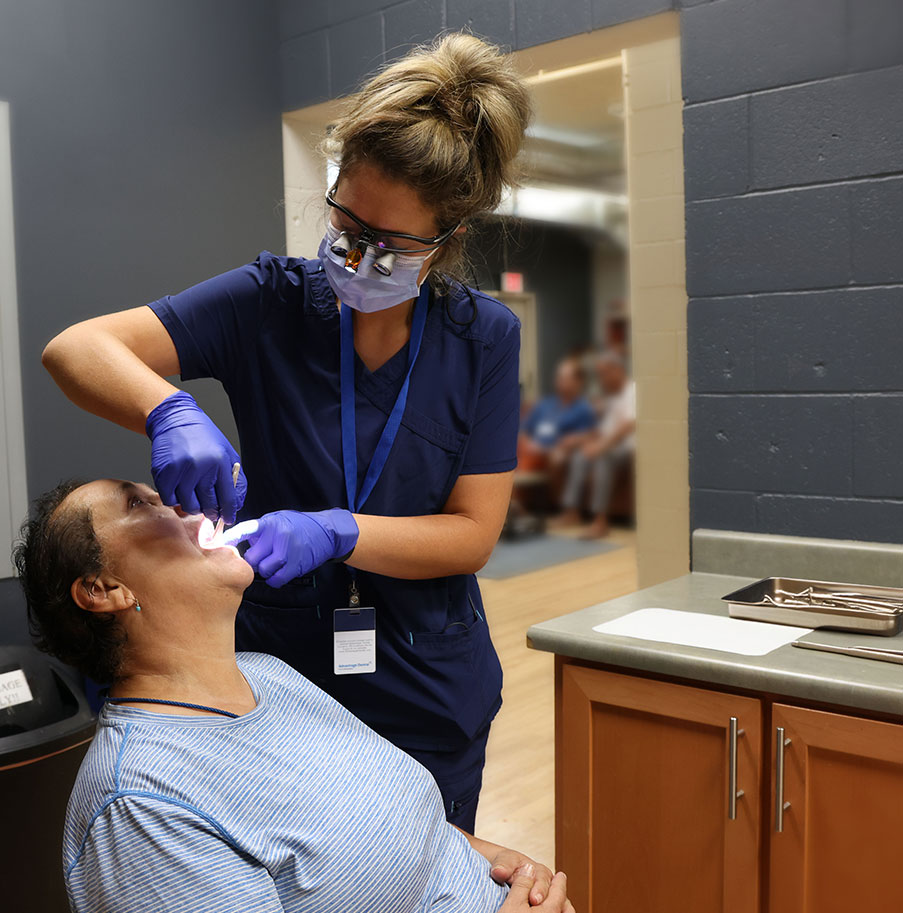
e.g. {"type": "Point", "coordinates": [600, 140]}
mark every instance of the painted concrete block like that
{"type": "Point", "coordinates": [354, 9]}
{"type": "Point", "coordinates": [838, 128]}
{"type": "Point", "coordinates": [412, 23]}
{"type": "Point", "coordinates": [845, 340]}
{"type": "Point", "coordinates": [875, 34]}
{"type": "Point", "coordinates": [304, 62]}
{"type": "Point", "coordinates": [876, 215]}
{"type": "Point", "coordinates": [297, 17]}
{"type": "Point", "coordinates": [656, 265]}
{"type": "Point", "coordinates": [768, 242]}
{"type": "Point", "coordinates": [798, 444]}
{"type": "Point", "coordinates": [654, 83]}
{"type": "Point", "coordinates": [832, 518]}
{"type": "Point", "coordinates": [721, 351]}
{"type": "Point", "coordinates": [878, 436]}
{"type": "Point", "coordinates": [660, 219]}
{"type": "Point", "coordinates": [661, 399]}
{"type": "Point", "coordinates": [710, 509]}
{"type": "Point", "coordinates": [736, 46]}
{"type": "Point", "coordinates": [716, 148]}
{"type": "Point", "coordinates": [355, 51]}
{"type": "Point", "coordinates": [494, 21]}
{"type": "Point", "coordinates": [538, 21]}
{"type": "Point", "coordinates": [612, 12]}
{"type": "Point", "coordinates": [656, 174]}
{"type": "Point", "coordinates": [656, 129]}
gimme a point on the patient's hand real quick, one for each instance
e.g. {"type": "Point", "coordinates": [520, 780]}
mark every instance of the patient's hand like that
{"type": "Point", "coordinates": [506, 863]}
{"type": "Point", "coordinates": [518, 900]}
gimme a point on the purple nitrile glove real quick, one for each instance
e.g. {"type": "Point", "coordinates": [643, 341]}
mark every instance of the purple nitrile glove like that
{"type": "Point", "coordinates": [191, 460]}
{"type": "Point", "coordinates": [287, 543]}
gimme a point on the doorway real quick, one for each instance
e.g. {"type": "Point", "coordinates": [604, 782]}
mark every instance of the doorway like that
{"type": "Point", "coordinates": [647, 55]}
{"type": "Point", "coordinates": [642, 59]}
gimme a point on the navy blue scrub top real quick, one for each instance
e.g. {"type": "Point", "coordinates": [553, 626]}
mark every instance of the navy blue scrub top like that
{"type": "Point", "coordinates": [269, 332]}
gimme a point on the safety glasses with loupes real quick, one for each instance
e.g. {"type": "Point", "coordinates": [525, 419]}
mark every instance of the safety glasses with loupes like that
{"type": "Point", "coordinates": [387, 245]}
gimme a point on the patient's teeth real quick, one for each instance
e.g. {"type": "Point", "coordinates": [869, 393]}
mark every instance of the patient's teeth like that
{"type": "Point", "coordinates": [207, 538]}
{"type": "Point", "coordinates": [206, 534]}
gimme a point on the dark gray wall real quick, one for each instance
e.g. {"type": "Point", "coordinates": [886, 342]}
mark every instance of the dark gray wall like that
{"type": "Point", "coordinates": [147, 155]}
{"type": "Point", "coordinates": [327, 47]}
{"type": "Point", "coordinates": [794, 186]}
{"type": "Point", "coordinates": [794, 155]}
{"type": "Point", "coordinates": [557, 266]}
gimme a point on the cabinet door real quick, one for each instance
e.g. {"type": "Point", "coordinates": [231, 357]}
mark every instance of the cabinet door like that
{"type": "Point", "coordinates": [642, 779]}
{"type": "Point", "coordinates": [840, 846]}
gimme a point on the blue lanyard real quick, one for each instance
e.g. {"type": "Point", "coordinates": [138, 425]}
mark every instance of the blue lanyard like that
{"type": "Point", "coordinates": [154, 700]}
{"type": "Point", "coordinates": [387, 438]}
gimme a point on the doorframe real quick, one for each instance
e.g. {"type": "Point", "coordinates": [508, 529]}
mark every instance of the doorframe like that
{"type": "Point", "coordinates": [13, 487]}
{"type": "Point", "coordinates": [650, 52]}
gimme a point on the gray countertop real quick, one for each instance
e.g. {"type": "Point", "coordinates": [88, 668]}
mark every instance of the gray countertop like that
{"type": "Point", "coordinates": [844, 681]}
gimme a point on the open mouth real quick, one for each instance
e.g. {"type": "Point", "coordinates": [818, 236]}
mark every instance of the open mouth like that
{"type": "Point", "coordinates": [208, 539]}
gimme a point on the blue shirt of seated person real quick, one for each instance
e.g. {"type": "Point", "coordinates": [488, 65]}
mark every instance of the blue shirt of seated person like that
{"type": "Point", "coordinates": [295, 805]}
{"type": "Point", "coordinates": [566, 411]}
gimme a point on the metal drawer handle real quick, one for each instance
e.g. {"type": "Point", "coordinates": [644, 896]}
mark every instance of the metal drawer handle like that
{"type": "Point", "coordinates": [780, 806]}
{"type": "Point", "coordinates": [733, 794]}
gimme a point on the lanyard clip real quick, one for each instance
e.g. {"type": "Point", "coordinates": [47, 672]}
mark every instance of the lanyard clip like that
{"type": "Point", "coordinates": [354, 596]}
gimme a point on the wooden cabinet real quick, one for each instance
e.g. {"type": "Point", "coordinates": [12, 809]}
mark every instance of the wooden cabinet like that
{"type": "Point", "coordinates": [645, 770]}
{"type": "Point", "coordinates": [840, 846]}
{"type": "Point", "coordinates": [643, 776]}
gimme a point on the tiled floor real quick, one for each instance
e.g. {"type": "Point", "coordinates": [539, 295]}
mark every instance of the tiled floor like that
{"type": "Point", "coordinates": [517, 802]}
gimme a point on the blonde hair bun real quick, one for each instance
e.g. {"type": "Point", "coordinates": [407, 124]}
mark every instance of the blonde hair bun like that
{"type": "Point", "coordinates": [449, 119]}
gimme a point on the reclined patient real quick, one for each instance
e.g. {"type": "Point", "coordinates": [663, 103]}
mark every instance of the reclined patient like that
{"type": "Point", "coordinates": [264, 794]}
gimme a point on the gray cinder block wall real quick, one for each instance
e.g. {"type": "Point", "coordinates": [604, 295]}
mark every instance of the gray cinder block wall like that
{"type": "Point", "coordinates": [147, 155]}
{"type": "Point", "coordinates": [794, 186]}
{"type": "Point", "coordinates": [794, 216]}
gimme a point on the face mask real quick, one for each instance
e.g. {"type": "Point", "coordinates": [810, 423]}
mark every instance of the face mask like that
{"type": "Point", "coordinates": [368, 290]}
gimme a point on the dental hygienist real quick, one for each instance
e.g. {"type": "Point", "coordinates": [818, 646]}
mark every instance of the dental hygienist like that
{"type": "Point", "coordinates": [376, 400]}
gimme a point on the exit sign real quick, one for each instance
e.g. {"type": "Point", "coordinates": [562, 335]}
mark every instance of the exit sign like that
{"type": "Point", "coordinates": [512, 282]}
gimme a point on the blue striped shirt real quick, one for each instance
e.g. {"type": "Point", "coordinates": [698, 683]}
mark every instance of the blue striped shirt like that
{"type": "Point", "coordinates": [296, 806]}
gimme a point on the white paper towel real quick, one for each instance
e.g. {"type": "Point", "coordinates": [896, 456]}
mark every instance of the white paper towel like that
{"type": "Point", "coordinates": [711, 632]}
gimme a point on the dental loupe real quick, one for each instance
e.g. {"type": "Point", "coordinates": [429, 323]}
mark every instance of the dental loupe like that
{"type": "Point", "coordinates": [344, 246]}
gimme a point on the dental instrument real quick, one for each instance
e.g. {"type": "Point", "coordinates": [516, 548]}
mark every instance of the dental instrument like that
{"type": "Point", "coordinates": [220, 524]}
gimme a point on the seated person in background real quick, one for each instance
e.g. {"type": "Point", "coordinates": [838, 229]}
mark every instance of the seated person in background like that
{"type": "Point", "coordinates": [259, 792]}
{"type": "Point", "coordinates": [601, 454]}
{"type": "Point", "coordinates": [556, 417]}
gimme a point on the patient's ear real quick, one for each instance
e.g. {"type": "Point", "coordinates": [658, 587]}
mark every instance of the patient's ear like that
{"type": "Point", "coordinates": [102, 593]}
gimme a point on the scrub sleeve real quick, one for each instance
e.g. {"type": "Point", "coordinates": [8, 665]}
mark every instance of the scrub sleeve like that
{"type": "Point", "coordinates": [269, 332]}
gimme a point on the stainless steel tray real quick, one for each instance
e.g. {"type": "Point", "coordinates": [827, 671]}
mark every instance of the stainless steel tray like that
{"type": "Point", "coordinates": [820, 604]}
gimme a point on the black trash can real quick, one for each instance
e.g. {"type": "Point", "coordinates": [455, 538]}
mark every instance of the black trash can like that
{"type": "Point", "coordinates": [46, 726]}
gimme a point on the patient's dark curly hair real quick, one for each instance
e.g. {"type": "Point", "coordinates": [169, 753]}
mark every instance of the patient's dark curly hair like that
{"type": "Point", "coordinates": [55, 547]}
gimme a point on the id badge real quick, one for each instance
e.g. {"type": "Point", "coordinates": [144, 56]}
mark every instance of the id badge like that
{"type": "Point", "coordinates": [355, 640]}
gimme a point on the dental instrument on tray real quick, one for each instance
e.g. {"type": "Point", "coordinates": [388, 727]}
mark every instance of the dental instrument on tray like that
{"type": "Point", "coordinates": [888, 656]}
{"type": "Point", "coordinates": [220, 524]}
{"type": "Point", "coordinates": [820, 604]}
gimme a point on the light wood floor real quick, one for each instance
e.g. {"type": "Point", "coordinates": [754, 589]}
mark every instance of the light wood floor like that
{"type": "Point", "coordinates": [517, 802]}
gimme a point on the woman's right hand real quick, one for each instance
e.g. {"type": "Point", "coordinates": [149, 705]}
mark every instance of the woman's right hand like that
{"type": "Point", "coordinates": [192, 460]}
{"type": "Point", "coordinates": [518, 900]}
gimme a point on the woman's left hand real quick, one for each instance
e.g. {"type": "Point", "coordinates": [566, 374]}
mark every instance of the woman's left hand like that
{"type": "Point", "coordinates": [287, 544]}
{"type": "Point", "coordinates": [506, 862]}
